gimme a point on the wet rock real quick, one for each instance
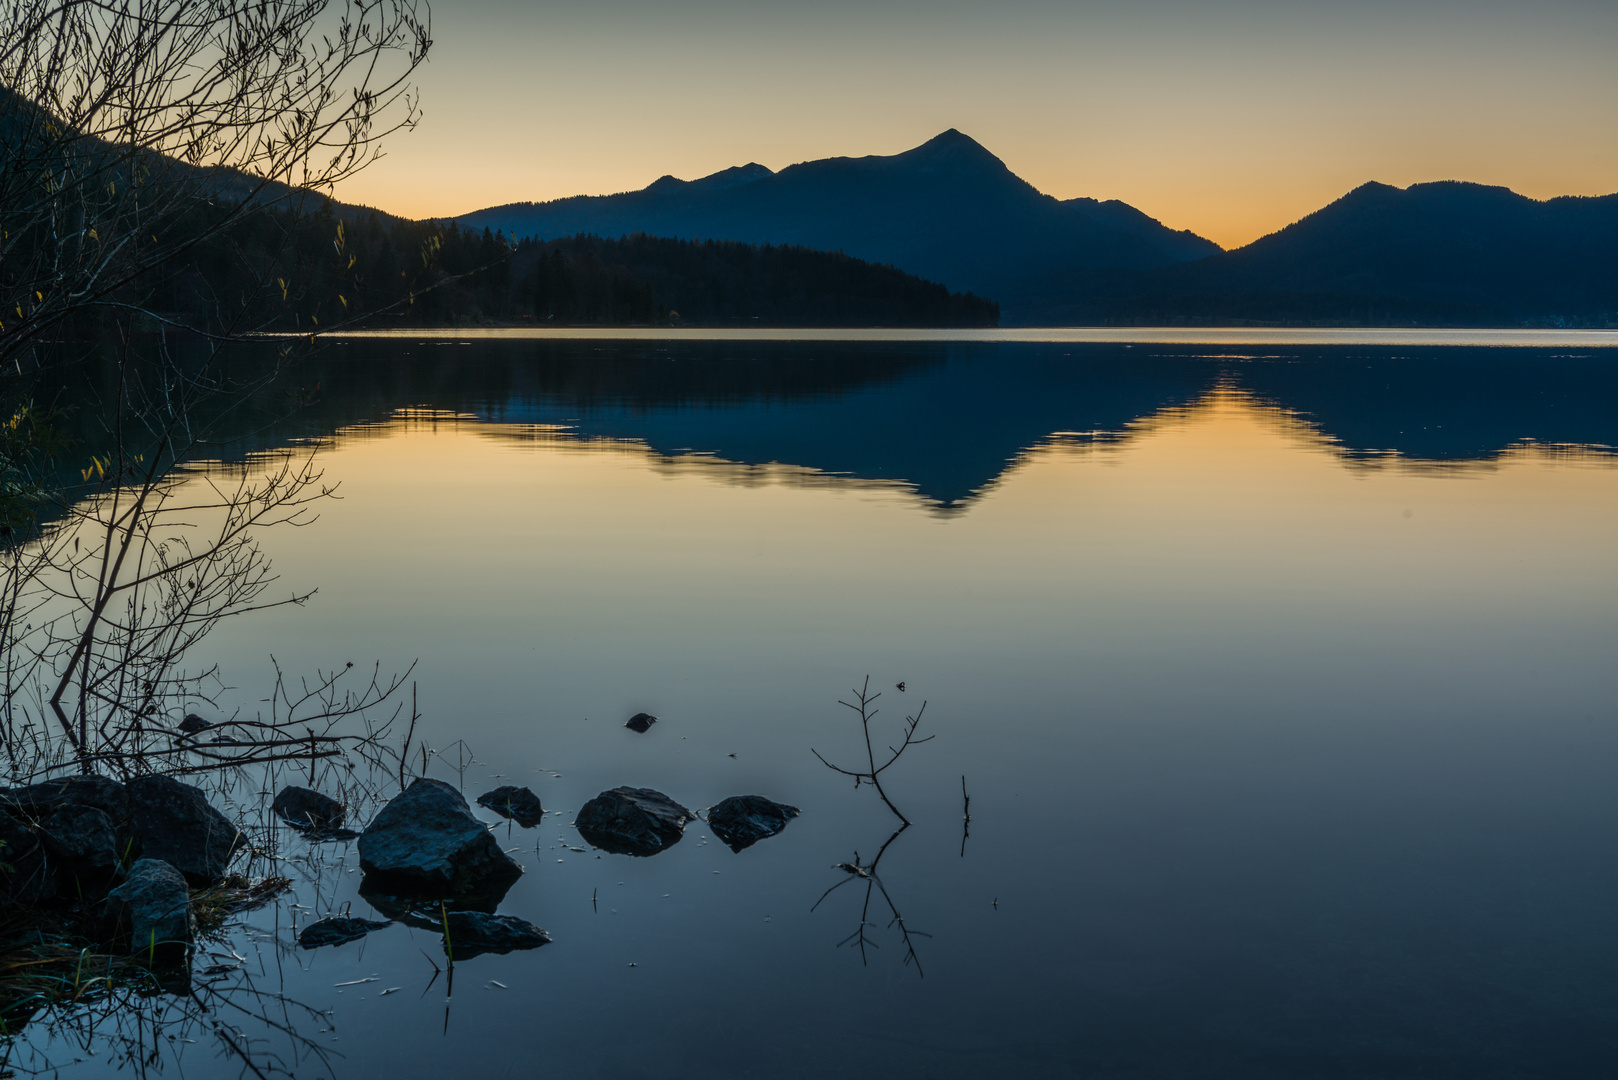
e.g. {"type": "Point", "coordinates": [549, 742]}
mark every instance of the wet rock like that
{"type": "Point", "coordinates": [194, 723]}
{"type": "Point", "coordinates": [428, 838]}
{"type": "Point", "coordinates": [84, 844]}
{"type": "Point", "coordinates": [336, 932]}
{"type": "Point", "coordinates": [632, 821]}
{"type": "Point", "coordinates": [153, 907]}
{"type": "Point", "coordinates": [26, 875]}
{"type": "Point", "coordinates": [38, 800]}
{"type": "Point", "coordinates": [175, 823]}
{"type": "Point", "coordinates": [308, 809]}
{"type": "Point", "coordinates": [641, 722]}
{"type": "Point", "coordinates": [743, 820]}
{"type": "Point", "coordinates": [473, 933]}
{"type": "Point", "coordinates": [517, 803]}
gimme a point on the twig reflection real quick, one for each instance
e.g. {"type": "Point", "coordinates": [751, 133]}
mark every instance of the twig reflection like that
{"type": "Point", "coordinates": [868, 873]}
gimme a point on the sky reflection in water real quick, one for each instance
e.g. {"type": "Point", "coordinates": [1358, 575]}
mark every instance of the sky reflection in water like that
{"type": "Point", "coordinates": [1282, 686]}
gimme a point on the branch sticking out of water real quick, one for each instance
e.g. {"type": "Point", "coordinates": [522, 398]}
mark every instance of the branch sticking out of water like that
{"type": "Point", "coordinates": [873, 774]}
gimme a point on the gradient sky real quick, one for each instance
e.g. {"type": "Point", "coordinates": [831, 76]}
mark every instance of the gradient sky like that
{"type": "Point", "coordinates": [1228, 117]}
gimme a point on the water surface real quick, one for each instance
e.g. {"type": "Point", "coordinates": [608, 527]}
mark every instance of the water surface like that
{"type": "Point", "coordinates": [1281, 680]}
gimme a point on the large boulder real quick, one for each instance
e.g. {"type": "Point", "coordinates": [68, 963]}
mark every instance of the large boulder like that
{"type": "Point", "coordinates": [743, 820]}
{"type": "Point", "coordinates": [633, 821]}
{"type": "Point", "coordinates": [153, 907]}
{"type": "Point", "coordinates": [84, 844]}
{"type": "Point", "coordinates": [473, 933]}
{"type": "Point", "coordinates": [174, 822]}
{"type": "Point", "coordinates": [106, 795]}
{"type": "Point", "coordinates": [517, 803]}
{"type": "Point", "coordinates": [307, 809]}
{"type": "Point", "coordinates": [428, 839]}
{"type": "Point", "coordinates": [26, 874]}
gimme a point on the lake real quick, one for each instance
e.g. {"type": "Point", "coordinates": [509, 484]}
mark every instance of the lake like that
{"type": "Point", "coordinates": [1279, 671]}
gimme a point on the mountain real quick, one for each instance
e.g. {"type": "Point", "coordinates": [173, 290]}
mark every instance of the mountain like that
{"type": "Point", "coordinates": [949, 211]}
{"type": "Point", "coordinates": [1439, 253]}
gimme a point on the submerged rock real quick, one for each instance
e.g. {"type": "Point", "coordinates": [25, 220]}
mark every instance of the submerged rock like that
{"type": "Point", "coordinates": [307, 809]}
{"type": "Point", "coordinates": [473, 933]}
{"type": "Point", "coordinates": [153, 907]}
{"type": "Point", "coordinates": [517, 803]}
{"type": "Point", "coordinates": [641, 722]}
{"type": "Point", "coordinates": [174, 822]}
{"type": "Point", "coordinates": [336, 932]}
{"type": "Point", "coordinates": [84, 844]}
{"type": "Point", "coordinates": [194, 723]}
{"type": "Point", "coordinates": [743, 820]}
{"type": "Point", "coordinates": [633, 821]}
{"type": "Point", "coordinates": [428, 839]}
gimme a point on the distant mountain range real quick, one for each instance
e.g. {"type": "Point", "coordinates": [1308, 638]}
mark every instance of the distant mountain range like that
{"type": "Point", "coordinates": [948, 211]}
{"type": "Point", "coordinates": [1434, 254]}
{"type": "Point", "coordinates": [1444, 253]}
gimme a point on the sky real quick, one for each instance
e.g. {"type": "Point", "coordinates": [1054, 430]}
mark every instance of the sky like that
{"type": "Point", "coordinates": [1231, 118]}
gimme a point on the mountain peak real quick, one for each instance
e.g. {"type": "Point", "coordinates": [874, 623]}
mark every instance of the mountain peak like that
{"type": "Point", "coordinates": [952, 147]}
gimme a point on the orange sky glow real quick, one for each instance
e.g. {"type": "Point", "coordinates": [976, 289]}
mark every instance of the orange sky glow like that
{"type": "Point", "coordinates": [1230, 118]}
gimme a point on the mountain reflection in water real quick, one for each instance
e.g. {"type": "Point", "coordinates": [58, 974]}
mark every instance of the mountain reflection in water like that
{"type": "Point", "coordinates": [1280, 680]}
{"type": "Point", "coordinates": [948, 420]}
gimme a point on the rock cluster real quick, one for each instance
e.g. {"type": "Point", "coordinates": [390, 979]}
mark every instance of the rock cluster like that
{"type": "Point", "coordinates": [128, 853]}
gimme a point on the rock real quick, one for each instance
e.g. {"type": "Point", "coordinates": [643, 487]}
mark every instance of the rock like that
{"type": "Point", "coordinates": [517, 803]}
{"type": "Point", "coordinates": [641, 722]}
{"type": "Point", "coordinates": [175, 823]}
{"type": "Point", "coordinates": [38, 800]}
{"type": "Point", "coordinates": [632, 821]}
{"type": "Point", "coordinates": [85, 846]}
{"type": "Point", "coordinates": [473, 933]}
{"type": "Point", "coordinates": [26, 875]}
{"type": "Point", "coordinates": [743, 820]}
{"type": "Point", "coordinates": [153, 907]}
{"type": "Point", "coordinates": [194, 723]}
{"type": "Point", "coordinates": [427, 838]}
{"type": "Point", "coordinates": [336, 932]}
{"type": "Point", "coordinates": [308, 809]}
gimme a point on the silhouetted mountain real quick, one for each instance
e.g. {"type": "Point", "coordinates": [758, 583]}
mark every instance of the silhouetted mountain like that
{"type": "Point", "coordinates": [1444, 253]}
{"type": "Point", "coordinates": [948, 210]}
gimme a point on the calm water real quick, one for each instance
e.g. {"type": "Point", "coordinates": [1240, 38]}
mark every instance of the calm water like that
{"type": "Point", "coordinates": [1281, 678]}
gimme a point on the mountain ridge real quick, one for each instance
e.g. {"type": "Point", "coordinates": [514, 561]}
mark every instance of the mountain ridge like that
{"type": "Point", "coordinates": [948, 210]}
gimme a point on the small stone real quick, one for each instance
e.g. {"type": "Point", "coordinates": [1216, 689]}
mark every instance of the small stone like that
{"type": "Point", "coordinates": [517, 803]}
{"type": "Point", "coordinates": [153, 906]}
{"type": "Point", "coordinates": [641, 722]}
{"type": "Point", "coordinates": [633, 821]}
{"type": "Point", "coordinates": [743, 820]}
{"type": "Point", "coordinates": [308, 809]}
{"type": "Point", "coordinates": [336, 932]}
